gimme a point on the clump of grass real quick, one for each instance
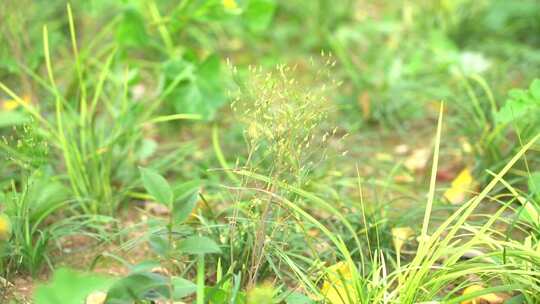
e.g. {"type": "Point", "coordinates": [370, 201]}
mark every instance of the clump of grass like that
{"type": "Point", "coordinates": [284, 131]}
{"type": "Point", "coordinates": [92, 125]}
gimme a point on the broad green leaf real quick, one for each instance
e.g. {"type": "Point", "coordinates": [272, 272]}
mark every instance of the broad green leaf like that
{"type": "Point", "coordinates": [13, 118]}
{"type": "Point", "coordinates": [182, 288]}
{"type": "Point", "coordinates": [157, 186]}
{"type": "Point", "coordinates": [520, 103]}
{"type": "Point", "coordinates": [139, 286]}
{"type": "Point", "coordinates": [217, 295]}
{"type": "Point", "coordinates": [130, 31]}
{"type": "Point", "coordinates": [198, 245]}
{"type": "Point", "coordinates": [513, 109]}
{"type": "Point", "coordinates": [70, 287]}
{"type": "Point", "coordinates": [45, 195]}
{"type": "Point", "coordinates": [182, 208]}
{"type": "Point", "coordinates": [259, 14]}
{"type": "Point", "coordinates": [144, 266]}
{"type": "Point", "coordinates": [159, 243]}
{"type": "Point", "coordinates": [201, 91]}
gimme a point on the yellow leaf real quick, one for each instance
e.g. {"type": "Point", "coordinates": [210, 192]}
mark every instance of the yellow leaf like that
{"type": "Point", "coordinates": [5, 227]}
{"type": "Point", "coordinates": [400, 235]}
{"type": "Point", "coordinates": [489, 298]}
{"type": "Point", "coordinates": [338, 288]}
{"type": "Point", "coordinates": [460, 186]}
{"type": "Point", "coordinates": [230, 4]}
{"type": "Point", "coordinates": [11, 104]}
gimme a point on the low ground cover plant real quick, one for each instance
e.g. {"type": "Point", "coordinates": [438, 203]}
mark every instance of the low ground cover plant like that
{"type": "Point", "coordinates": [262, 151]}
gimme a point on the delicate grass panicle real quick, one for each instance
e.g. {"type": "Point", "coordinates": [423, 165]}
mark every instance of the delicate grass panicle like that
{"type": "Point", "coordinates": [284, 120]}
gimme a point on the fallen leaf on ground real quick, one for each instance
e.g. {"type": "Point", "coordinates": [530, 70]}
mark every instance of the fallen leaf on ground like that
{"type": "Point", "coordinates": [400, 235]}
{"type": "Point", "coordinates": [489, 298]}
{"type": "Point", "coordinates": [460, 187]}
{"type": "Point", "coordinates": [404, 178]}
{"type": "Point", "coordinates": [418, 160]}
{"type": "Point", "coordinates": [401, 149]}
{"type": "Point", "coordinates": [11, 104]}
{"type": "Point", "coordinates": [446, 174]}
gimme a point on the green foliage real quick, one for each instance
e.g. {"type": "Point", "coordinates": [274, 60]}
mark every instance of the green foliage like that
{"type": "Point", "coordinates": [131, 31]}
{"type": "Point", "coordinates": [71, 287]}
{"type": "Point", "coordinates": [263, 294]}
{"type": "Point", "coordinates": [9, 119]}
{"type": "Point", "coordinates": [198, 245]}
{"type": "Point", "coordinates": [183, 207]}
{"type": "Point", "coordinates": [534, 184]}
{"type": "Point", "coordinates": [68, 286]}
{"type": "Point", "coordinates": [522, 105]}
{"type": "Point", "coordinates": [27, 210]}
{"type": "Point", "coordinates": [157, 186]}
{"type": "Point", "coordinates": [90, 104]}
{"type": "Point", "coordinates": [258, 14]}
{"type": "Point", "coordinates": [200, 90]}
{"type": "Point", "coordinates": [139, 286]}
